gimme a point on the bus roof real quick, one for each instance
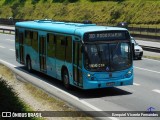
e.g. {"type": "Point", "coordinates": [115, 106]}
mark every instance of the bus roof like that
{"type": "Point", "coordinates": [64, 27]}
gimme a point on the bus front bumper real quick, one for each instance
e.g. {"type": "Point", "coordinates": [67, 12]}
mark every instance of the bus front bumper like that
{"type": "Point", "coordinates": [88, 84]}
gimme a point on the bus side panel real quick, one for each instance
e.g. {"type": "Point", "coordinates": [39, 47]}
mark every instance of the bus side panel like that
{"type": "Point", "coordinates": [51, 67]}
{"type": "Point", "coordinates": [59, 64]}
{"type": "Point", "coordinates": [34, 56]}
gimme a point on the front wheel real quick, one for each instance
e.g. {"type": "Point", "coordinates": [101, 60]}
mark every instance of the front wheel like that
{"type": "Point", "coordinates": [66, 79]}
{"type": "Point", "coordinates": [28, 65]}
{"type": "Point", "coordinates": [139, 58]}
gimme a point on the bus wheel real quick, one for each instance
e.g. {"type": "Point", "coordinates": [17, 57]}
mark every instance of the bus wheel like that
{"type": "Point", "coordinates": [29, 66]}
{"type": "Point", "coordinates": [66, 79]}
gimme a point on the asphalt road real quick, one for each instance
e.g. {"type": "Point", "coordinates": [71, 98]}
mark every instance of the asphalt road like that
{"type": "Point", "coordinates": [143, 94]}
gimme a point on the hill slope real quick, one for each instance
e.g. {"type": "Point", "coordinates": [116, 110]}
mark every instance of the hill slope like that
{"type": "Point", "coordinates": [132, 11]}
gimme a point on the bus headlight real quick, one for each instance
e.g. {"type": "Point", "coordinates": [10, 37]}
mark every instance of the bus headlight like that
{"type": "Point", "coordinates": [88, 75]}
{"type": "Point", "coordinates": [129, 74]}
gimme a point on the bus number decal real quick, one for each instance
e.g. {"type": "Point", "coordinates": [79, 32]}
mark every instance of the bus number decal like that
{"type": "Point", "coordinates": [91, 36]}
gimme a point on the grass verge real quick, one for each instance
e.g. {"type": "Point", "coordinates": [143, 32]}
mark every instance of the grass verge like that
{"type": "Point", "coordinates": [152, 57]}
{"type": "Point", "coordinates": [22, 97]}
{"type": "Point", "coordinates": [10, 102]}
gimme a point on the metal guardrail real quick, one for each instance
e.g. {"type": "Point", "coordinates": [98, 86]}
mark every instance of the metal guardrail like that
{"type": "Point", "coordinates": [150, 48]}
{"type": "Point", "coordinates": [146, 36]}
{"type": "Point", "coordinates": [152, 33]}
{"type": "Point", "coordinates": [155, 31]}
{"type": "Point", "coordinates": [9, 31]}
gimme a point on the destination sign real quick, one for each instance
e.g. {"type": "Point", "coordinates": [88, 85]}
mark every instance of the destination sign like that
{"type": "Point", "coordinates": [99, 36]}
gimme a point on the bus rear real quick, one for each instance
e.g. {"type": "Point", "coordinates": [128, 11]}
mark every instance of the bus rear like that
{"type": "Point", "coordinates": [107, 59]}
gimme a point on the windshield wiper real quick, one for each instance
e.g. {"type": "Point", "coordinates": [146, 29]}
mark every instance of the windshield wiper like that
{"type": "Point", "coordinates": [114, 52]}
{"type": "Point", "coordinates": [99, 54]}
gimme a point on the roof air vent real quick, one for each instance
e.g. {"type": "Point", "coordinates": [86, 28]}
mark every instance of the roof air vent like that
{"type": "Point", "coordinates": [87, 22]}
{"type": "Point", "coordinates": [44, 21]}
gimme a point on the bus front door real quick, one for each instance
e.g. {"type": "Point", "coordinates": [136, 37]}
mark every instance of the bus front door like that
{"type": "Point", "coordinates": [42, 54]}
{"type": "Point", "coordinates": [77, 64]}
{"type": "Point", "coordinates": [21, 47]}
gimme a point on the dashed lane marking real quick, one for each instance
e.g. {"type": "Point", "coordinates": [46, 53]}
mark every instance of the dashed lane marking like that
{"type": "Point", "coordinates": [12, 49]}
{"type": "Point", "coordinates": [147, 70]}
{"type": "Point", "coordinates": [10, 40]}
{"type": "Point", "coordinates": [136, 84]}
{"type": "Point", "coordinates": [151, 60]}
{"type": "Point", "coordinates": [2, 47]}
{"type": "Point", "coordinates": [156, 90]}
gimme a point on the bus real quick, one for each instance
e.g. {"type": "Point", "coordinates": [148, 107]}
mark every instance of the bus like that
{"type": "Point", "coordinates": [84, 55]}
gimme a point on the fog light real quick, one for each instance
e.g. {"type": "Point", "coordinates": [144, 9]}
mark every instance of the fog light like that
{"type": "Point", "coordinates": [92, 78]}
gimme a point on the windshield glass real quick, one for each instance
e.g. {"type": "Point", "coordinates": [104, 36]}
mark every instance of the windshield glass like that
{"type": "Point", "coordinates": [107, 57]}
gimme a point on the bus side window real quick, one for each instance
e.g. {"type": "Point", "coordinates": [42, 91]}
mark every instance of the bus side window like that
{"type": "Point", "coordinates": [27, 37]}
{"type": "Point", "coordinates": [51, 45]}
{"type": "Point", "coordinates": [60, 47]}
{"type": "Point", "coordinates": [69, 49]}
{"type": "Point", "coordinates": [34, 36]}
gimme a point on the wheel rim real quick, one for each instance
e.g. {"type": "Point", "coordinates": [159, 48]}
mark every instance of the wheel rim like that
{"type": "Point", "coordinates": [66, 79]}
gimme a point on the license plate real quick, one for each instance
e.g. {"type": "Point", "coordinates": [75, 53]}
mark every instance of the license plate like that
{"type": "Point", "coordinates": [110, 84]}
{"type": "Point", "coordinates": [137, 53]}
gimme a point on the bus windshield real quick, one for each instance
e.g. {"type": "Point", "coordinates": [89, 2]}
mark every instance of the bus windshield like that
{"type": "Point", "coordinates": [107, 56]}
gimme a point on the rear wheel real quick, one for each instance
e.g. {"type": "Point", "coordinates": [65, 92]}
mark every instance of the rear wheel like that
{"type": "Point", "coordinates": [28, 65]}
{"type": "Point", "coordinates": [65, 78]}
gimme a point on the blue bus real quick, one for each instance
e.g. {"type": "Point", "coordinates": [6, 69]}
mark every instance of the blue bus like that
{"type": "Point", "coordinates": [79, 54]}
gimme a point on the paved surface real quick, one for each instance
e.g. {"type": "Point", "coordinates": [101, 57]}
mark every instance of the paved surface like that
{"type": "Point", "coordinates": [153, 54]}
{"type": "Point", "coordinates": [143, 94]}
{"type": "Point", "coordinates": [148, 43]}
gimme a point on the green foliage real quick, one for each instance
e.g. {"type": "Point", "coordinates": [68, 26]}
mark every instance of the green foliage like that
{"type": "Point", "coordinates": [35, 1]}
{"type": "Point", "coordinates": [61, 1]}
{"type": "Point", "coordinates": [107, 0]}
{"type": "Point", "coordinates": [9, 100]}
{"type": "Point", "coordinates": [108, 11]}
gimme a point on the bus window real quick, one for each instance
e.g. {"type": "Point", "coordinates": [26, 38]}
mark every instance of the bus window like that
{"type": "Point", "coordinates": [34, 36]}
{"type": "Point", "coordinates": [27, 37]}
{"type": "Point", "coordinates": [51, 45]}
{"type": "Point", "coordinates": [60, 47]}
{"type": "Point", "coordinates": [69, 49]}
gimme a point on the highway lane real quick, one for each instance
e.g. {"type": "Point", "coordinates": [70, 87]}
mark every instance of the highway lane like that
{"type": "Point", "coordinates": [7, 48]}
{"type": "Point", "coordinates": [139, 97]}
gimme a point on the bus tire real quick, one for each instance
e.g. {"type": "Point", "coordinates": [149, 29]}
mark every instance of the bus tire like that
{"type": "Point", "coordinates": [65, 78]}
{"type": "Point", "coordinates": [29, 65]}
{"type": "Point", "coordinates": [139, 58]}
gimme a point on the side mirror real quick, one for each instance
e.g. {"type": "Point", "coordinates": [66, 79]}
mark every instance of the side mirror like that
{"type": "Point", "coordinates": [133, 52]}
{"type": "Point", "coordinates": [82, 48]}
